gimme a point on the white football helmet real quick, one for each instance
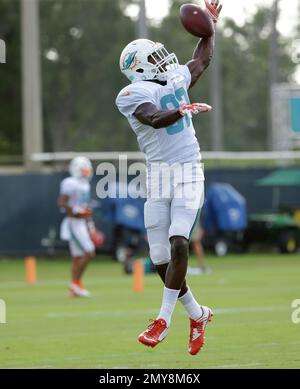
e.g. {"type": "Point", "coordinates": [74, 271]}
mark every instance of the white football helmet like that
{"type": "Point", "coordinates": [143, 59]}
{"type": "Point", "coordinates": [81, 167]}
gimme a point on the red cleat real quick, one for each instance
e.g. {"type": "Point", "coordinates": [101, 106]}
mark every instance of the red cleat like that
{"type": "Point", "coordinates": [77, 289]}
{"type": "Point", "coordinates": [197, 339]}
{"type": "Point", "coordinates": [155, 333]}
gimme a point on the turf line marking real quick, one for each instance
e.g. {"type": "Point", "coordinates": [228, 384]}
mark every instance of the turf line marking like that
{"type": "Point", "coordinates": [32, 367]}
{"type": "Point", "coordinates": [270, 308]}
{"type": "Point", "coordinates": [117, 313]}
{"type": "Point", "coordinates": [233, 366]}
{"type": "Point", "coordinates": [22, 284]}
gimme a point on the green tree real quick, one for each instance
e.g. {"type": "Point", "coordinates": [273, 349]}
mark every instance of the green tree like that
{"type": "Point", "coordinates": [81, 46]}
{"type": "Point", "coordinates": [245, 76]}
{"type": "Point", "coordinates": [81, 41]}
{"type": "Point", "coordinates": [246, 80]}
{"type": "Point", "coordinates": [176, 39]}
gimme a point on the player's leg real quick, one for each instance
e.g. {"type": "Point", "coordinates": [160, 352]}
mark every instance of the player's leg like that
{"type": "Point", "coordinates": [188, 198]}
{"type": "Point", "coordinates": [185, 210]}
{"type": "Point", "coordinates": [84, 261]}
{"type": "Point", "coordinates": [75, 287]}
{"type": "Point", "coordinates": [185, 296]}
{"type": "Point", "coordinates": [161, 270]}
{"type": "Point", "coordinates": [82, 250]}
{"type": "Point", "coordinates": [177, 267]}
{"type": "Point", "coordinates": [196, 246]}
{"type": "Point", "coordinates": [75, 267]}
{"type": "Point", "coordinates": [157, 223]}
{"type": "Point", "coordinates": [174, 278]}
{"type": "Point", "coordinates": [198, 251]}
{"type": "Point", "coordinates": [185, 213]}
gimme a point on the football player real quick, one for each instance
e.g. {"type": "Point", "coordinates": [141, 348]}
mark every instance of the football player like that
{"type": "Point", "coordinates": [157, 106]}
{"type": "Point", "coordinates": [74, 199]}
{"type": "Point", "coordinates": [197, 247]}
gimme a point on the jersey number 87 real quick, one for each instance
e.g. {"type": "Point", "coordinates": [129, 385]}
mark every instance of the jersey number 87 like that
{"type": "Point", "coordinates": [173, 101]}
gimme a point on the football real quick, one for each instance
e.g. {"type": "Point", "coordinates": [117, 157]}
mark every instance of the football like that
{"type": "Point", "coordinates": [196, 20]}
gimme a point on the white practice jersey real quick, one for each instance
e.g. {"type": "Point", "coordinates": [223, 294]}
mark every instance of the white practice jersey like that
{"type": "Point", "coordinates": [176, 143]}
{"type": "Point", "coordinates": [78, 190]}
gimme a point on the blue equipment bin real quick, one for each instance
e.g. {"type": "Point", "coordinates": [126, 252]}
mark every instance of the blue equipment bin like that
{"type": "Point", "coordinates": [224, 209]}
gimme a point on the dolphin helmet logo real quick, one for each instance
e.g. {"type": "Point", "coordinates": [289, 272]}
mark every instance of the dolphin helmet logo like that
{"type": "Point", "coordinates": [129, 61]}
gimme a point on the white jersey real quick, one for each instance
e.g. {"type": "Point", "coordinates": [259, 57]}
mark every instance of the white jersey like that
{"type": "Point", "coordinates": [177, 142]}
{"type": "Point", "coordinates": [78, 190]}
{"type": "Point", "coordinates": [72, 229]}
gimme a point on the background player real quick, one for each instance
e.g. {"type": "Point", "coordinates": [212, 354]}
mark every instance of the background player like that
{"type": "Point", "coordinates": [158, 109]}
{"type": "Point", "coordinates": [197, 248]}
{"type": "Point", "coordinates": [74, 199]}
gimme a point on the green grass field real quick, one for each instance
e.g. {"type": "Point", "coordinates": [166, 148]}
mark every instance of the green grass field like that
{"type": "Point", "coordinates": [252, 328]}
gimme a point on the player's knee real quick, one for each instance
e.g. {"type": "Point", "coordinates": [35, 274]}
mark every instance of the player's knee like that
{"type": "Point", "coordinates": [159, 254]}
{"type": "Point", "coordinates": [181, 229]}
{"type": "Point", "coordinates": [179, 248]}
{"type": "Point", "coordinates": [90, 255]}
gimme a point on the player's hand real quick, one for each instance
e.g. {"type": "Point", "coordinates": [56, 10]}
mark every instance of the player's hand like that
{"type": "Point", "coordinates": [214, 9]}
{"type": "Point", "coordinates": [85, 213]}
{"type": "Point", "coordinates": [194, 109]}
{"type": "Point", "coordinates": [97, 237]}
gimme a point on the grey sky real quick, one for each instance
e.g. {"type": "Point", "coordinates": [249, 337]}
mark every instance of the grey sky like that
{"type": "Point", "coordinates": [238, 10]}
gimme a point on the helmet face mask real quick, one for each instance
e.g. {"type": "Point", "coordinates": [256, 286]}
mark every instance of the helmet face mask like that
{"type": "Point", "coordinates": [164, 62]}
{"type": "Point", "coordinates": [143, 59]}
{"type": "Point", "coordinates": [81, 167]}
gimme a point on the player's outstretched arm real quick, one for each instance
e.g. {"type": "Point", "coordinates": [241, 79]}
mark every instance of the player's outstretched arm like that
{"type": "Point", "coordinates": [150, 115]}
{"type": "Point", "coordinates": [201, 59]}
{"type": "Point", "coordinates": [204, 50]}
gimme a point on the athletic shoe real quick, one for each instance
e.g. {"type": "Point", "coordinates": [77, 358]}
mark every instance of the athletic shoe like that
{"type": "Point", "coordinates": [197, 339]}
{"type": "Point", "coordinates": [78, 290]}
{"type": "Point", "coordinates": [155, 333]}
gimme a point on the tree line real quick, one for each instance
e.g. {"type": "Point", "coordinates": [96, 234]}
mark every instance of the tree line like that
{"type": "Point", "coordinates": [81, 42]}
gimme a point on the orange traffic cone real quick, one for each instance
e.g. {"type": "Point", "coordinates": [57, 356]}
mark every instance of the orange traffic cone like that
{"type": "Point", "coordinates": [138, 276]}
{"type": "Point", "coordinates": [30, 270]}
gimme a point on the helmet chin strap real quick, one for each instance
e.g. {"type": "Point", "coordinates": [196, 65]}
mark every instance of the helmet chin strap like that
{"type": "Point", "coordinates": [162, 76]}
{"type": "Point", "coordinates": [167, 64]}
{"type": "Point", "coordinates": [166, 75]}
